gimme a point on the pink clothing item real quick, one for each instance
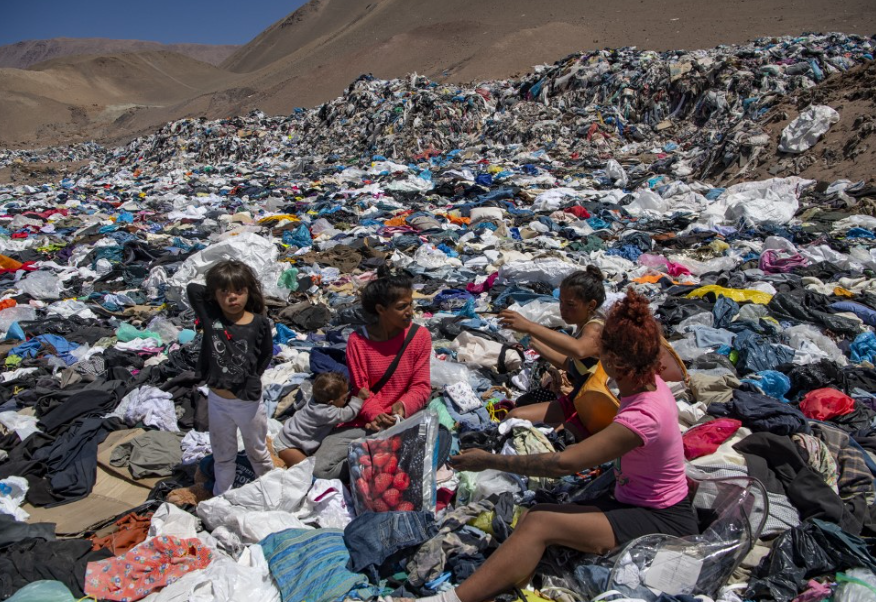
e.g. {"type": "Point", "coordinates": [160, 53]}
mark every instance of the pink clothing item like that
{"type": "Point", "coordinates": [145, 568]}
{"type": "Point", "coordinates": [705, 438]}
{"type": "Point", "coordinates": [484, 286]}
{"type": "Point", "coordinates": [817, 592]}
{"type": "Point", "coordinates": [651, 475]}
{"type": "Point", "coordinates": [776, 261]}
{"type": "Point", "coordinates": [411, 382]}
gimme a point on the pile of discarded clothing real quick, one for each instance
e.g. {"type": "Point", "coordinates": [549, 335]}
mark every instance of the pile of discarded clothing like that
{"type": "Point", "coordinates": [490, 196]}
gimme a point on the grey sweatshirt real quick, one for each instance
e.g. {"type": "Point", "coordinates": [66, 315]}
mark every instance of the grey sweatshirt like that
{"type": "Point", "coordinates": [314, 421]}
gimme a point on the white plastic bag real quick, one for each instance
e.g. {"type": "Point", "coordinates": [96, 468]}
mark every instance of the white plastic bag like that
{"type": "Point", "coordinates": [255, 251]}
{"type": "Point", "coordinates": [550, 271]}
{"type": "Point", "coordinates": [41, 285]}
{"type": "Point", "coordinates": [279, 490]}
{"type": "Point", "coordinates": [12, 492]}
{"type": "Point", "coordinates": [19, 313]}
{"type": "Point", "coordinates": [546, 313]}
{"type": "Point", "coordinates": [327, 505]}
{"type": "Point", "coordinates": [856, 585]}
{"type": "Point", "coordinates": [802, 133]}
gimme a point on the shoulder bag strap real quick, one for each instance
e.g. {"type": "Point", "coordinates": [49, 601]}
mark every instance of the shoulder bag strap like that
{"type": "Point", "coordinates": [389, 371]}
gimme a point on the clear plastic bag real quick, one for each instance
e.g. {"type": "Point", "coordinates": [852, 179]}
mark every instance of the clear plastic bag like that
{"type": "Point", "coordinates": [19, 313]}
{"type": "Point", "coordinates": [41, 285]}
{"type": "Point", "coordinates": [43, 591]}
{"type": "Point", "coordinates": [856, 585]}
{"type": "Point", "coordinates": [700, 564]}
{"type": "Point", "coordinates": [394, 469]}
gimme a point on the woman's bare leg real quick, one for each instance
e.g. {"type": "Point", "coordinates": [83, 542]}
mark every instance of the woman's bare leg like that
{"type": "Point", "coordinates": [583, 528]}
{"type": "Point", "coordinates": [549, 412]}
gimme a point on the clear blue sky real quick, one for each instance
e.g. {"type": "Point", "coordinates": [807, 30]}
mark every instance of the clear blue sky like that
{"type": "Point", "coordinates": [192, 21]}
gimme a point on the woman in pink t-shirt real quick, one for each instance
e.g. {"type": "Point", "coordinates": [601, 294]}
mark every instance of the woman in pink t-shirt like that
{"type": "Point", "coordinates": [650, 495]}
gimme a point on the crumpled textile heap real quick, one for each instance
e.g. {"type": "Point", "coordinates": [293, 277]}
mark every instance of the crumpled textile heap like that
{"type": "Point", "coordinates": [150, 405]}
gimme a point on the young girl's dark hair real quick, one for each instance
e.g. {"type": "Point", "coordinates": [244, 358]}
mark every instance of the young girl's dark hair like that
{"type": "Point", "coordinates": [586, 285]}
{"type": "Point", "coordinates": [631, 339]}
{"type": "Point", "coordinates": [391, 283]}
{"type": "Point", "coordinates": [234, 275]}
{"type": "Point", "coordinates": [328, 386]}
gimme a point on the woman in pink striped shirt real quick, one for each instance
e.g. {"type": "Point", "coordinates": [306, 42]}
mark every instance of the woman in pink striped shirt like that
{"type": "Point", "coordinates": [370, 351]}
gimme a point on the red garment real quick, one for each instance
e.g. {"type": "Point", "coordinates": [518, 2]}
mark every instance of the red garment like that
{"type": "Point", "coordinates": [484, 286]}
{"type": "Point", "coordinates": [411, 382]}
{"type": "Point", "coordinates": [146, 568]}
{"type": "Point", "coordinates": [579, 212]}
{"type": "Point", "coordinates": [827, 403]}
{"type": "Point", "coordinates": [705, 438]}
{"type": "Point", "coordinates": [133, 530]}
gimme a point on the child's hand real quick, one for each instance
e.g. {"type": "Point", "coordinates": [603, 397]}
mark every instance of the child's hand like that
{"type": "Point", "coordinates": [364, 393]}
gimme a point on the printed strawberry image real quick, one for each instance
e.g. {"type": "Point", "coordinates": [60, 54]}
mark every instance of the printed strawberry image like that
{"type": "Point", "coordinates": [367, 473]}
{"type": "Point", "coordinates": [379, 506]}
{"type": "Point", "coordinates": [401, 481]}
{"type": "Point", "coordinates": [382, 482]}
{"type": "Point", "coordinates": [365, 461]}
{"type": "Point", "coordinates": [391, 466]}
{"type": "Point", "coordinates": [364, 488]}
{"type": "Point", "coordinates": [405, 507]}
{"type": "Point", "coordinates": [380, 459]}
{"type": "Point", "coordinates": [392, 497]}
{"type": "Point", "coordinates": [395, 444]}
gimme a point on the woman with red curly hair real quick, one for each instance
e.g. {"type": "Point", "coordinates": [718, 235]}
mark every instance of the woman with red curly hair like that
{"type": "Point", "coordinates": [650, 494]}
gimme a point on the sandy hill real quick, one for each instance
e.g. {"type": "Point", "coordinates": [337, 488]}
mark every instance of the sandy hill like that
{"type": "Point", "coordinates": [22, 55]}
{"type": "Point", "coordinates": [313, 54]}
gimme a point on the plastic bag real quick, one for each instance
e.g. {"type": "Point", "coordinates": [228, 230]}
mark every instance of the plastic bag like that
{"type": "Point", "coordinates": [19, 313]}
{"type": "Point", "coordinates": [802, 133]}
{"type": "Point", "coordinates": [43, 591]}
{"type": "Point", "coordinates": [826, 403]}
{"type": "Point", "coordinates": [41, 285]}
{"type": "Point", "coordinates": [445, 373]}
{"type": "Point", "coordinates": [394, 469]}
{"type": "Point", "coordinates": [857, 585]}
{"type": "Point", "coordinates": [477, 351]}
{"type": "Point", "coordinates": [126, 333]}
{"type": "Point", "coordinates": [699, 564]}
{"type": "Point", "coordinates": [12, 492]}
{"type": "Point", "coordinates": [167, 330]}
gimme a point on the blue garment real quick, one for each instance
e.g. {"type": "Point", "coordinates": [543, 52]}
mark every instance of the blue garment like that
{"type": "Point", "coordinates": [630, 252]}
{"type": "Point", "coordinates": [712, 337]}
{"type": "Point", "coordinates": [756, 353]}
{"type": "Point", "coordinates": [470, 421]}
{"type": "Point", "coordinates": [860, 233]}
{"type": "Point", "coordinates": [772, 383]}
{"type": "Point", "coordinates": [862, 348]}
{"type": "Point", "coordinates": [867, 314]}
{"type": "Point", "coordinates": [284, 333]}
{"type": "Point", "coordinates": [328, 359]}
{"type": "Point", "coordinates": [311, 564]}
{"type": "Point", "coordinates": [725, 310]}
{"type": "Point", "coordinates": [373, 537]}
{"type": "Point", "coordinates": [516, 294]}
{"type": "Point", "coordinates": [761, 413]}
{"type": "Point", "coordinates": [300, 237]}
{"type": "Point", "coordinates": [62, 347]}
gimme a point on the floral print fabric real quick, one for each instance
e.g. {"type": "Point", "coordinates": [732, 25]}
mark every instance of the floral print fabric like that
{"type": "Point", "coordinates": [148, 567]}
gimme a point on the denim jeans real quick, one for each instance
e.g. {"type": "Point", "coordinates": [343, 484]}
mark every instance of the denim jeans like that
{"type": "Point", "coordinates": [373, 537]}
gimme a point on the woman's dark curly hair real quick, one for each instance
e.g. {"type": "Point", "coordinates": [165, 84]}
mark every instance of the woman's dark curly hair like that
{"type": "Point", "coordinates": [391, 283]}
{"type": "Point", "coordinates": [234, 275]}
{"type": "Point", "coordinates": [631, 340]}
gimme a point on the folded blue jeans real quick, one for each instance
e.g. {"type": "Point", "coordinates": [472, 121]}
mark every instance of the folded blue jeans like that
{"type": "Point", "coordinates": [373, 537]}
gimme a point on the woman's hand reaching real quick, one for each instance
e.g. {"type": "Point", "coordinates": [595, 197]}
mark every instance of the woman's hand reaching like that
{"type": "Point", "coordinates": [514, 321]}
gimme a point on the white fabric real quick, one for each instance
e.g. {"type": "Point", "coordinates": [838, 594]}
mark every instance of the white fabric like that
{"type": "Point", "coordinates": [23, 426]}
{"type": "Point", "coordinates": [255, 251]}
{"type": "Point", "coordinates": [150, 405]}
{"type": "Point", "coordinates": [195, 445]}
{"type": "Point", "coordinates": [169, 520]}
{"type": "Point", "coordinates": [550, 271]}
{"type": "Point", "coordinates": [474, 350]}
{"type": "Point", "coordinates": [280, 492]}
{"type": "Point", "coordinates": [545, 313]}
{"type": "Point", "coordinates": [802, 133]}
{"type": "Point", "coordinates": [463, 396]}
{"type": "Point", "coordinates": [327, 505]}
